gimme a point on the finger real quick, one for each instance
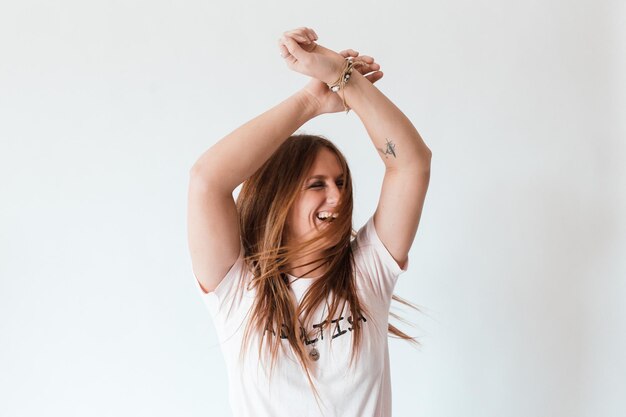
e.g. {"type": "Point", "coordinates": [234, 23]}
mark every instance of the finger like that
{"type": "Point", "coordinates": [292, 46]}
{"type": "Point", "coordinates": [312, 34]}
{"type": "Point", "coordinates": [305, 31]}
{"type": "Point", "coordinates": [374, 76]}
{"type": "Point", "coordinates": [284, 52]}
{"type": "Point", "coordinates": [366, 58]}
{"type": "Point", "coordinates": [302, 34]}
{"type": "Point", "coordinates": [299, 36]}
{"type": "Point", "coordinates": [367, 68]}
{"type": "Point", "coordinates": [349, 52]}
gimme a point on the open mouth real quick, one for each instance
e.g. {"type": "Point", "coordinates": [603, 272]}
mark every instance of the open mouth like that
{"type": "Point", "coordinates": [326, 216]}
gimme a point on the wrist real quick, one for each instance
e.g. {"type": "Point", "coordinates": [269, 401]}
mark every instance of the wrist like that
{"type": "Point", "coordinates": [349, 87]}
{"type": "Point", "coordinates": [355, 81]}
{"type": "Point", "coordinates": [337, 71]}
{"type": "Point", "coordinates": [310, 105]}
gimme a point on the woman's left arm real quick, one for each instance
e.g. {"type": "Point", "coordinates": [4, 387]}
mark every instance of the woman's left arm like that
{"type": "Point", "coordinates": [407, 161]}
{"type": "Point", "coordinates": [401, 148]}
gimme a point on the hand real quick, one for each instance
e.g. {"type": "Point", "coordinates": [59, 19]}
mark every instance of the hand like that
{"type": "Point", "coordinates": [325, 100]}
{"type": "Point", "coordinates": [303, 55]}
{"type": "Point", "coordinates": [329, 102]}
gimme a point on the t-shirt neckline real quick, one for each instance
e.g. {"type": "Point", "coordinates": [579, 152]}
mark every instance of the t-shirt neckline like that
{"type": "Point", "coordinates": [293, 278]}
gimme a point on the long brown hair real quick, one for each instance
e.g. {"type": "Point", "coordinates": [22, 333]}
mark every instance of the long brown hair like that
{"type": "Point", "coordinates": [263, 205]}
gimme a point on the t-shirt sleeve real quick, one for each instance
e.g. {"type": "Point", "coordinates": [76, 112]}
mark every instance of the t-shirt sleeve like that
{"type": "Point", "coordinates": [219, 300]}
{"type": "Point", "coordinates": [378, 269]}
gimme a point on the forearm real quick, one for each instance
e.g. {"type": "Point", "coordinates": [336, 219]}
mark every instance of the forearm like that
{"type": "Point", "coordinates": [397, 141]}
{"type": "Point", "coordinates": [238, 155]}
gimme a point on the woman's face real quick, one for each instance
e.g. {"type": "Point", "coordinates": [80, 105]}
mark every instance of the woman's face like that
{"type": "Point", "coordinates": [320, 193]}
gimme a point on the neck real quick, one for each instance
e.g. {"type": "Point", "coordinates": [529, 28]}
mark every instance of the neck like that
{"type": "Point", "coordinates": [314, 270]}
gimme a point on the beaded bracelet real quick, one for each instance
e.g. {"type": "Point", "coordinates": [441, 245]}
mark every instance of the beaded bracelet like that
{"type": "Point", "coordinates": [343, 79]}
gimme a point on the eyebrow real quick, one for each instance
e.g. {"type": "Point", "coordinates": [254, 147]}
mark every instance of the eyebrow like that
{"type": "Point", "coordinates": [321, 177]}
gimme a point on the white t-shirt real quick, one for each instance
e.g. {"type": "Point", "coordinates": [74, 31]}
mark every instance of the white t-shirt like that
{"type": "Point", "coordinates": [361, 391]}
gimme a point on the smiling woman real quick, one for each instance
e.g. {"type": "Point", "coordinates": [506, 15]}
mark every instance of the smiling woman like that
{"type": "Point", "coordinates": [316, 181]}
{"type": "Point", "coordinates": [283, 267]}
{"type": "Point", "coordinates": [316, 204]}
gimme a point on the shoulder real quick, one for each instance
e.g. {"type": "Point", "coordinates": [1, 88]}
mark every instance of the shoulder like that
{"type": "Point", "coordinates": [367, 247]}
{"type": "Point", "coordinates": [231, 287]}
{"type": "Point", "coordinates": [376, 272]}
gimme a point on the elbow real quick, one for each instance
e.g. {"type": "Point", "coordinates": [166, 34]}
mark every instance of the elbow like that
{"type": "Point", "coordinates": [201, 174]}
{"type": "Point", "coordinates": [422, 163]}
{"type": "Point", "coordinates": [418, 166]}
{"type": "Point", "coordinates": [208, 177]}
{"type": "Point", "coordinates": [196, 172]}
{"type": "Point", "coordinates": [205, 167]}
{"type": "Point", "coordinates": [427, 157]}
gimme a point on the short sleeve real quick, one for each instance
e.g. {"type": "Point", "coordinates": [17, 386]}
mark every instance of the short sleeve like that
{"type": "Point", "coordinates": [216, 300]}
{"type": "Point", "coordinates": [377, 267]}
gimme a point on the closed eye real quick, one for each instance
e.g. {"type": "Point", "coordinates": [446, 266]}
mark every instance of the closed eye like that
{"type": "Point", "coordinates": [320, 184]}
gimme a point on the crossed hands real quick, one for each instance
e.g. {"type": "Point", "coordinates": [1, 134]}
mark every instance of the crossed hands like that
{"type": "Point", "coordinates": [302, 54]}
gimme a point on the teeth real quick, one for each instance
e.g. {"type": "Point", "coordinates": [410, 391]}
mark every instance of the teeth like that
{"type": "Point", "coordinates": [322, 215]}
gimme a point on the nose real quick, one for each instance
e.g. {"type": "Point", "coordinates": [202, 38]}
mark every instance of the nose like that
{"type": "Point", "coordinates": [333, 194]}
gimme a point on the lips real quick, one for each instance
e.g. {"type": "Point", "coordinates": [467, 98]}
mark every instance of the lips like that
{"type": "Point", "coordinates": [323, 218]}
{"type": "Point", "coordinates": [326, 216]}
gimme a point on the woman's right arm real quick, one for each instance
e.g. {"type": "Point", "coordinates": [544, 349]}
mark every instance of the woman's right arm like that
{"type": "Point", "coordinates": [212, 220]}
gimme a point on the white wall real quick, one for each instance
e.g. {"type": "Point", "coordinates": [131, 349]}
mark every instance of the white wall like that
{"type": "Point", "coordinates": [519, 262]}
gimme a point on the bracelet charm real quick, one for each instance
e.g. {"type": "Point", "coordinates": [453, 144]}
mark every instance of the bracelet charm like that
{"type": "Point", "coordinates": [344, 78]}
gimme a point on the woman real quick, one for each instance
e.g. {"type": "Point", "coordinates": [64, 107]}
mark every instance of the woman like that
{"type": "Point", "coordinates": [282, 257]}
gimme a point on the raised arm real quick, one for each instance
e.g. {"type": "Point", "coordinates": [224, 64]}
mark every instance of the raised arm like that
{"type": "Point", "coordinates": [401, 148]}
{"type": "Point", "coordinates": [213, 226]}
{"type": "Point", "coordinates": [407, 161]}
{"type": "Point", "coordinates": [212, 220]}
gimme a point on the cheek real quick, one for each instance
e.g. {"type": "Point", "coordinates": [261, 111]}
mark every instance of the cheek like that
{"type": "Point", "coordinates": [298, 215]}
{"type": "Point", "coordinates": [303, 218]}
{"type": "Point", "coordinates": [305, 207]}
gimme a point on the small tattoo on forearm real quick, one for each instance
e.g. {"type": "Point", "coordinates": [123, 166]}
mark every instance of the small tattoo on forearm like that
{"type": "Point", "coordinates": [390, 149]}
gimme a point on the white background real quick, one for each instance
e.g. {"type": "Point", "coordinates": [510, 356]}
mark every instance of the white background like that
{"type": "Point", "coordinates": [519, 262]}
